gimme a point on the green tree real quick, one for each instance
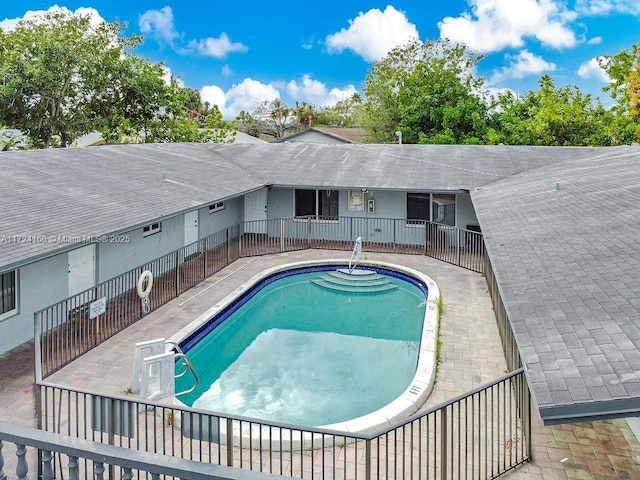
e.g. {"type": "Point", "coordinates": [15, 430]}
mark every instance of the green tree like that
{"type": "Point", "coordinates": [62, 76]}
{"type": "Point", "coordinates": [554, 116]}
{"type": "Point", "coordinates": [345, 113]}
{"type": "Point", "coordinates": [49, 69]}
{"type": "Point", "coordinates": [304, 115]}
{"type": "Point", "coordinates": [623, 69]}
{"type": "Point", "coordinates": [184, 118]}
{"type": "Point", "coordinates": [128, 102]}
{"type": "Point", "coordinates": [275, 117]}
{"type": "Point", "coordinates": [428, 92]}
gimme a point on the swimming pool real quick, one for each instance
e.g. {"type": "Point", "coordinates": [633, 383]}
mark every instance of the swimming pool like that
{"type": "Point", "coordinates": [350, 327]}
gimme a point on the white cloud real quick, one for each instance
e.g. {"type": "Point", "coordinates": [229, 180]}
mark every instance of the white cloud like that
{"type": "Point", "coordinates": [372, 34]}
{"type": "Point", "coordinates": [594, 41]}
{"type": "Point", "coordinates": [246, 96]}
{"type": "Point", "coordinates": [496, 24]}
{"type": "Point", "coordinates": [167, 76]}
{"type": "Point", "coordinates": [250, 93]}
{"type": "Point", "coordinates": [214, 95]}
{"type": "Point", "coordinates": [604, 7]}
{"type": "Point", "coordinates": [9, 24]}
{"type": "Point", "coordinates": [159, 25]}
{"type": "Point", "coordinates": [592, 69]}
{"type": "Point", "coordinates": [316, 93]}
{"type": "Point", "coordinates": [522, 65]}
{"type": "Point", "coordinates": [226, 70]}
{"type": "Point", "coordinates": [216, 47]}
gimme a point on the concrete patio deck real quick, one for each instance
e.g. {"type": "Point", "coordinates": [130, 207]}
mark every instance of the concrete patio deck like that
{"type": "Point", "coordinates": [471, 355]}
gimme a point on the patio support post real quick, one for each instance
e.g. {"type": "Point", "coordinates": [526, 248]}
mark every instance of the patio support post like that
{"type": "Point", "coordinates": [367, 459]}
{"type": "Point", "coordinates": [230, 443]}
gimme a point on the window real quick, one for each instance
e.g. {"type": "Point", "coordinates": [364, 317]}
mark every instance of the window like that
{"type": "Point", "coordinates": [443, 209]}
{"type": "Point", "coordinates": [436, 208]}
{"type": "Point", "coordinates": [8, 293]}
{"type": "Point", "coordinates": [418, 207]}
{"type": "Point", "coordinates": [152, 229]}
{"type": "Point", "coordinates": [322, 204]}
{"type": "Point", "coordinates": [216, 207]}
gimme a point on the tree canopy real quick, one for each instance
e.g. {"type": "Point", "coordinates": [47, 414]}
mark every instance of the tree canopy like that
{"type": "Point", "coordinates": [553, 116]}
{"type": "Point", "coordinates": [623, 69]}
{"type": "Point", "coordinates": [63, 76]}
{"type": "Point", "coordinates": [428, 92]}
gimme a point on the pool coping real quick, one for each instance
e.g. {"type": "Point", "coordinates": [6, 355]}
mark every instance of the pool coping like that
{"type": "Point", "coordinates": [413, 397]}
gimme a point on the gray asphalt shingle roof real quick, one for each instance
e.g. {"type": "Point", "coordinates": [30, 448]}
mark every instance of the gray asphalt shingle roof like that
{"type": "Point", "coordinates": [563, 242]}
{"type": "Point", "coordinates": [561, 226]}
{"type": "Point", "coordinates": [107, 189]}
{"type": "Point", "coordinates": [397, 167]}
{"type": "Point", "coordinates": [102, 190]}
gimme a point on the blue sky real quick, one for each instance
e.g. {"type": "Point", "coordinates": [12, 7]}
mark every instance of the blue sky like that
{"type": "Point", "coordinates": [239, 54]}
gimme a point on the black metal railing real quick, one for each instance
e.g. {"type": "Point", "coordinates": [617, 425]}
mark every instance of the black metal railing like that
{"type": "Point", "coordinates": [79, 458]}
{"type": "Point", "coordinates": [480, 434]}
{"type": "Point", "coordinates": [65, 330]}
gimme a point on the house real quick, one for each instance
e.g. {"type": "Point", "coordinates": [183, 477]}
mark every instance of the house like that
{"type": "Point", "coordinates": [559, 224]}
{"type": "Point", "coordinates": [333, 135]}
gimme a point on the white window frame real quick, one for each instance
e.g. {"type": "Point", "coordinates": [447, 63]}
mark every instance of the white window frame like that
{"type": "Point", "coordinates": [216, 207]}
{"type": "Point", "coordinates": [151, 229]}
{"type": "Point", "coordinates": [14, 311]}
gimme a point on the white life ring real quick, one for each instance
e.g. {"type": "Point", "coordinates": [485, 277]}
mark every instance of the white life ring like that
{"type": "Point", "coordinates": [143, 292]}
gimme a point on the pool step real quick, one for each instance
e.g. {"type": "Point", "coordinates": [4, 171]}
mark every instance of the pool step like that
{"type": "Point", "coordinates": [362, 282]}
{"type": "Point", "coordinates": [357, 277]}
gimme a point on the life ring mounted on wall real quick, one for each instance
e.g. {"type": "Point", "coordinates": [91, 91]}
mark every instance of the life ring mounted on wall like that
{"type": "Point", "coordinates": [142, 289]}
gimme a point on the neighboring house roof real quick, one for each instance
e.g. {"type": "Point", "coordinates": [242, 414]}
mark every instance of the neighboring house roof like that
{"type": "Point", "coordinates": [95, 138]}
{"type": "Point", "coordinates": [241, 137]}
{"type": "Point", "coordinates": [332, 134]}
{"type": "Point", "coordinates": [564, 244]}
{"type": "Point", "coordinates": [560, 226]}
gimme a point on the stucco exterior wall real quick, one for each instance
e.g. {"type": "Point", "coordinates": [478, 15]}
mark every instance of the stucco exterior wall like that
{"type": "Point", "coordinates": [40, 284]}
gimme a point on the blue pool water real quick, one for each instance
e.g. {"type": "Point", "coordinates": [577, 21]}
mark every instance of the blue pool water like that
{"type": "Point", "coordinates": [292, 351]}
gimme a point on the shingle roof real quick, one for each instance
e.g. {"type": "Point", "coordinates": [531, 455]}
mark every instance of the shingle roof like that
{"type": "Point", "coordinates": [342, 134]}
{"type": "Point", "coordinates": [564, 244]}
{"type": "Point", "coordinates": [399, 167]}
{"type": "Point", "coordinates": [102, 190]}
{"type": "Point", "coordinates": [561, 226]}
